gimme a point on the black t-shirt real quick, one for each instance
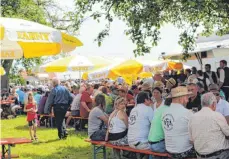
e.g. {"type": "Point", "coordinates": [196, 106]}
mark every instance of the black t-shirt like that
{"type": "Point", "coordinates": [195, 103]}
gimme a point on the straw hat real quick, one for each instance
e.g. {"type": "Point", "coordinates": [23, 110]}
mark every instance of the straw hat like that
{"type": "Point", "coordinates": [179, 92]}
{"type": "Point", "coordinates": [170, 83]}
{"type": "Point", "coordinates": [158, 84]}
{"type": "Point", "coordinates": [146, 86]}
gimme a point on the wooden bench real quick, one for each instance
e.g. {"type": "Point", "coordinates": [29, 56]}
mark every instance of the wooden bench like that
{"type": "Point", "coordinates": [47, 115]}
{"type": "Point", "coordinates": [80, 118]}
{"type": "Point", "coordinates": [52, 116]}
{"type": "Point", "coordinates": [101, 145]}
{"type": "Point", "coordinates": [8, 143]}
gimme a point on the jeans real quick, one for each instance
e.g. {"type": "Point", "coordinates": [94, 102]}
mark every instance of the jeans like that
{"type": "Point", "coordinates": [99, 135]}
{"type": "Point", "coordinates": [59, 112]}
{"type": "Point", "coordinates": [226, 92]}
{"type": "Point", "coordinates": [158, 147]}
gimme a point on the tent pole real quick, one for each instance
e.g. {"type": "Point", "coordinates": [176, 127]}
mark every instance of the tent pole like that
{"type": "Point", "coordinates": [199, 60]}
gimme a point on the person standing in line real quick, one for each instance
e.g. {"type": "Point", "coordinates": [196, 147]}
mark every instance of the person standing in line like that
{"type": "Point", "coordinates": [60, 98]}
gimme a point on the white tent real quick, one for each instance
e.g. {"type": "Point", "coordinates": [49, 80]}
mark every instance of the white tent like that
{"type": "Point", "coordinates": [207, 47]}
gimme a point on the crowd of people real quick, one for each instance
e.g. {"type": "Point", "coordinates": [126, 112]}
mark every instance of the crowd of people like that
{"type": "Point", "coordinates": [185, 114]}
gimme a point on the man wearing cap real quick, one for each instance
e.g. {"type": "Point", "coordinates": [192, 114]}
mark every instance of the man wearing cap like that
{"type": "Point", "coordinates": [209, 130]}
{"type": "Point", "coordinates": [222, 106]}
{"type": "Point", "coordinates": [175, 125]}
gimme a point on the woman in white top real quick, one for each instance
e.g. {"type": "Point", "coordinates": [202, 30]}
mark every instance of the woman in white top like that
{"type": "Point", "coordinates": [158, 100]}
{"type": "Point", "coordinates": [118, 123]}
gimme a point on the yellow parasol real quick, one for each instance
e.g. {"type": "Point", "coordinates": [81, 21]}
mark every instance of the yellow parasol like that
{"type": "Point", "coordinates": [22, 38]}
{"type": "Point", "coordinates": [2, 71]}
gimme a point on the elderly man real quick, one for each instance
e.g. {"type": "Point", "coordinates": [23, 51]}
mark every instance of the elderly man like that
{"type": "Point", "coordinates": [175, 125]}
{"type": "Point", "coordinates": [209, 130]}
{"type": "Point", "coordinates": [194, 98]}
{"type": "Point", "coordinates": [222, 106]}
{"type": "Point", "coordinates": [60, 98]}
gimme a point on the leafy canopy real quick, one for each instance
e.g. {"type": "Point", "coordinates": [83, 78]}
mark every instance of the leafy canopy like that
{"type": "Point", "coordinates": [144, 19]}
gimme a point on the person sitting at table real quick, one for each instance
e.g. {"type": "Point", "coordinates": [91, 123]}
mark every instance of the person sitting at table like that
{"type": "Point", "coordinates": [209, 131]}
{"type": "Point", "coordinates": [157, 96]}
{"type": "Point", "coordinates": [175, 125]}
{"type": "Point", "coordinates": [139, 122]}
{"type": "Point", "coordinates": [118, 126]}
{"type": "Point", "coordinates": [194, 98]}
{"type": "Point", "coordinates": [108, 99]}
{"type": "Point", "coordinates": [15, 105]}
{"type": "Point", "coordinates": [222, 106]}
{"type": "Point", "coordinates": [97, 120]}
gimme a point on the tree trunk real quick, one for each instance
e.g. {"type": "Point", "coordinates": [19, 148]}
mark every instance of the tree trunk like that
{"type": "Point", "coordinates": [6, 64]}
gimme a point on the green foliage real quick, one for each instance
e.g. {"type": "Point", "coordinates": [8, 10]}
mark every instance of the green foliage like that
{"type": "Point", "coordinates": [144, 19]}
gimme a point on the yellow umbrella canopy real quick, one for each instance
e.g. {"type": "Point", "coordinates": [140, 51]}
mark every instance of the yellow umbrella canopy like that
{"type": "Point", "coordinates": [22, 38]}
{"type": "Point", "coordinates": [2, 71]}
{"type": "Point", "coordinates": [75, 63]}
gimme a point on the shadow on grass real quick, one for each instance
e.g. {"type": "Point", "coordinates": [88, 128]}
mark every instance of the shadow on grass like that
{"type": "Point", "coordinates": [26, 127]}
{"type": "Point", "coordinates": [68, 153]}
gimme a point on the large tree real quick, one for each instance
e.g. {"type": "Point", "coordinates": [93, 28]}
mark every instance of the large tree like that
{"type": "Point", "coordinates": [42, 11]}
{"type": "Point", "coordinates": [144, 19]}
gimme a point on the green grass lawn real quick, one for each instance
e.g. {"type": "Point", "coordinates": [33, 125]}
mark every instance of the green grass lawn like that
{"type": "Point", "coordinates": [48, 146]}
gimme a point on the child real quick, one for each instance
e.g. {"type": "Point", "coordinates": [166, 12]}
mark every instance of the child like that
{"type": "Point", "coordinates": [31, 109]}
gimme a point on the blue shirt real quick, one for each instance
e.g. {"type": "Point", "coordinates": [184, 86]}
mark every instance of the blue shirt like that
{"type": "Point", "coordinates": [58, 95]}
{"type": "Point", "coordinates": [37, 98]}
{"type": "Point", "coordinates": [21, 96]}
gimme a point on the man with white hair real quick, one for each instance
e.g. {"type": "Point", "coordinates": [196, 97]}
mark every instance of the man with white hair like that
{"type": "Point", "coordinates": [209, 130]}
{"type": "Point", "coordinates": [222, 106]}
{"type": "Point", "coordinates": [60, 98]}
{"type": "Point", "coordinates": [175, 125]}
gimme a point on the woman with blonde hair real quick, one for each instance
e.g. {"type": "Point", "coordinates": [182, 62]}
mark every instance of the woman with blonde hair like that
{"type": "Point", "coordinates": [31, 109]}
{"type": "Point", "coordinates": [118, 125]}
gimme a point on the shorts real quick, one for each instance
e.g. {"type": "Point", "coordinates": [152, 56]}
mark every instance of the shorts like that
{"type": "Point", "coordinates": [32, 122]}
{"type": "Point", "coordinates": [75, 113]}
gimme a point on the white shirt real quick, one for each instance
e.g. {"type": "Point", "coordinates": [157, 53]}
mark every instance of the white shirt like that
{"type": "Point", "coordinates": [223, 107]}
{"type": "Point", "coordinates": [139, 124]}
{"type": "Point", "coordinates": [208, 130]}
{"type": "Point", "coordinates": [175, 125]}
{"type": "Point", "coordinates": [221, 75]}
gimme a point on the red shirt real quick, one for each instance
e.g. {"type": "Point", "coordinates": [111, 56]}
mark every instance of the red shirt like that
{"type": "Point", "coordinates": [87, 99]}
{"type": "Point", "coordinates": [31, 115]}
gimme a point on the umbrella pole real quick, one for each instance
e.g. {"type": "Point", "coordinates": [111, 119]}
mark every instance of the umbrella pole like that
{"type": "Point", "coordinates": [80, 76]}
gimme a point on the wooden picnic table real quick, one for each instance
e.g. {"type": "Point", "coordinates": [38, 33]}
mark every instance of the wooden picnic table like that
{"type": "Point", "coordinates": [5, 102]}
{"type": "Point", "coordinates": [11, 142]}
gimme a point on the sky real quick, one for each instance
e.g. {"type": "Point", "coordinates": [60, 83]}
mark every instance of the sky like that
{"type": "Point", "coordinates": [118, 44]}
